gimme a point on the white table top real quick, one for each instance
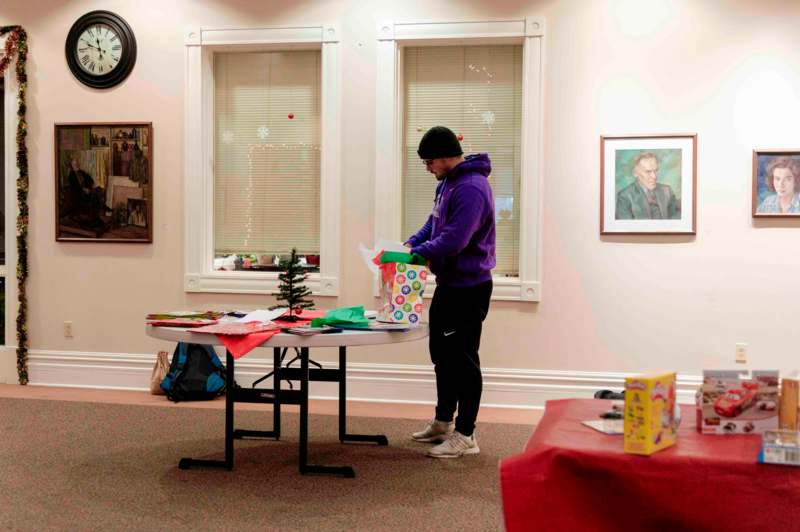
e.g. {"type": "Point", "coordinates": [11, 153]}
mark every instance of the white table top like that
{"type": "Point", "coordinates": [344, 338]}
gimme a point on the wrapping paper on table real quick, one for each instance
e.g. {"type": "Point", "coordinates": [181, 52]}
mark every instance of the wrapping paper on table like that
{"type": "Point", "coordinates": [181, 322]}
{"type": "Point", "coordinates": [238, 329]}
{"type": "Point", "coordinates": [240, 345]}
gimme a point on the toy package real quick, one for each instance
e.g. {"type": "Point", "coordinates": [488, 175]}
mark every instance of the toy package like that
{"type": "Point", "coordinates": [780, 447]}
{"type": "Point", "coordinates": [731, 402]}
{"type": "Point", "coordinates": [790, 404]}
{"type": "Point", "coordinates": [650, 423]}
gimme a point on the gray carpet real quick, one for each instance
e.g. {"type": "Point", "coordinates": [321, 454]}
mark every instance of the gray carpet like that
{"type": "Point", "coordinates": [90, 466]}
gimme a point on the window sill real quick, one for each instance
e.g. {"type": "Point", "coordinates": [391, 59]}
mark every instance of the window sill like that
{"type": "Point", "coordinates": [263, 283]}
{"type": "Point", "coordinates": [514, 289]}
{"type": "Point", "coordinates": [505, 289]}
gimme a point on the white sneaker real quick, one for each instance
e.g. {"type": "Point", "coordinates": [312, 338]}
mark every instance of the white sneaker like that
{"type": "Point", "coordinates": [456, 445]}
{"type": "Point", "coordinates": [436, 431]}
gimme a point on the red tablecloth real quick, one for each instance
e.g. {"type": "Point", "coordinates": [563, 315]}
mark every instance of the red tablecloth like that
{"type": "Point", "coordinates": [571, 477]}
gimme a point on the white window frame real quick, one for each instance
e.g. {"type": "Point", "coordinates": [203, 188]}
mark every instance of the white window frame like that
{"type": "Point", "coordinates": [392, 37]}
{"type": "Point", "coordinates": [201, 43]}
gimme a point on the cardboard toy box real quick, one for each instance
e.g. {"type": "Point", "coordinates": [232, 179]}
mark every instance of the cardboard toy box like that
{"type": "Point", "coordinates": [730, 402]}
{"type": "Point", "coordinates": [649, 413]}
{"type": "Point", "coordinates": [790, 404]}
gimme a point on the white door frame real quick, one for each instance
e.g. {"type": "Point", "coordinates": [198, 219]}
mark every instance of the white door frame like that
{"type": "Point", "coordinates": [8, 357]}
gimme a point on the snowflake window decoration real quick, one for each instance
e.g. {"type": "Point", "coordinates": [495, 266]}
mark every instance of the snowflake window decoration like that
{"type": "Point", "coordinates": [263, 132]}
{"type": "Point", "coordinates": [227, 137]}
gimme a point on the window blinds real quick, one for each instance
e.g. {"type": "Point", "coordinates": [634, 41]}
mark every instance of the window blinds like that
{"type": "Point", "coordinates": [267, 152]}
{"type": "Point", "coordinates": [477, 92]}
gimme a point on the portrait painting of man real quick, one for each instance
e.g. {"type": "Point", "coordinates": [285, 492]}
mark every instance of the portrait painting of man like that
{"type": "Point", "coordinates": [98, 167]}
{"type": "Point", "coordinates": [645, 196]}
{"type": "Point", "coordinates": [648, 184]}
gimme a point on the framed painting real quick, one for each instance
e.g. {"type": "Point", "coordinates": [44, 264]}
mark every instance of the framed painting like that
{"type": "Point", "coordinates": [104, 182]}
{"type": "Point", "coordinates": [776, 184]}
{"type": "Point", "coordinates": [648, 184]}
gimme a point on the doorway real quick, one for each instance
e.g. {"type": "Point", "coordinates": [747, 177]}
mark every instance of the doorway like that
{"type": "Point", "coordinates": [3, 267]}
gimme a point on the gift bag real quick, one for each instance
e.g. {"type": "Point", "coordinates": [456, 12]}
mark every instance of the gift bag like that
{"type": "Point", "coordinates": [403, 279]}
{"type": "Point", "coordinates": [160, 370]}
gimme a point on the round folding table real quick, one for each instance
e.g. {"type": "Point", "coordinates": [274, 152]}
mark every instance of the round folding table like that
{"type": "Point", "coordinates": [280, 343]}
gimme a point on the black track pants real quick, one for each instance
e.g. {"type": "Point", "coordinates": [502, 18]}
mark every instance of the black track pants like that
{"type": "Point", "coordinates": [456, 318]}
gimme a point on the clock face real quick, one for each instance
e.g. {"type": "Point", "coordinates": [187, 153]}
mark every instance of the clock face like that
{"type": "Point", "coordinates": [98, 50]}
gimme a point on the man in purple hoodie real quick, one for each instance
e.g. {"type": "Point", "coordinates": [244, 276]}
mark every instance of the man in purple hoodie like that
{"type": "Point", "coordinates": [458, 239]}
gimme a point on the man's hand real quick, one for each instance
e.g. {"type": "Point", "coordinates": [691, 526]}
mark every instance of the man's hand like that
{"type": "Point", "coordinates": [408, 245]}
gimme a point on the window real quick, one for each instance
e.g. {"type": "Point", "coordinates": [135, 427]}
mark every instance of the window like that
{"type": "Point", "coordinates": [483, 80]}
{"type": "Point", "coordinates": [477, 92]}
{"type": "Point", "coordinates": [262, 157]}
{"type": "Point", "coordinates": [267, 156]}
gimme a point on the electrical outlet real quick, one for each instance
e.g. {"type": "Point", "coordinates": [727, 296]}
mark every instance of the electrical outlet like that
{"type": "Point", "coordinates": [741, 353]}
{"type": "Point", "coordinates": [67, 329]}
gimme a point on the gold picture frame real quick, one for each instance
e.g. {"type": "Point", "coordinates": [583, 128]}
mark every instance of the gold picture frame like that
{"type": "Point", "coordinates": [104, 182]}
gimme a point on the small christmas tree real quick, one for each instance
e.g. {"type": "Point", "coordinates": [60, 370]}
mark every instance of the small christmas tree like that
{"type": "Point", "coordinates": [292, 289]}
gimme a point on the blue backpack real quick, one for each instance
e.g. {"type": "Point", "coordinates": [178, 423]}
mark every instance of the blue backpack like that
{"type": "Point", "coordinates": [195, 374]}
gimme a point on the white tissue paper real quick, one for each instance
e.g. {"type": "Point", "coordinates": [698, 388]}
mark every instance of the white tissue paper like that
{"type": "Point", "coordinates": [263, 316]}
{"type": "Point", "coordinates": [381, 244]}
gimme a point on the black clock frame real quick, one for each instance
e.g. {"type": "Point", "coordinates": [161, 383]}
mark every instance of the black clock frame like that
{"type": "Point", "coordinates": [127, 57]}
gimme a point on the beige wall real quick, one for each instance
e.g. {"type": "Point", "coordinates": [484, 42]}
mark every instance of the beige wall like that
{"type": "Point", "coordinates": [727, 71]}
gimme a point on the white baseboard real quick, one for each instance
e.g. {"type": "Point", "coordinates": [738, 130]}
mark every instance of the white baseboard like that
{"type": "Point", "coordinates": [391, 383]}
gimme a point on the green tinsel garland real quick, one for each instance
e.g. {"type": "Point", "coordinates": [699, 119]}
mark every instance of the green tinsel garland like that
{"type": "Point", "coordinates": [17, 42]}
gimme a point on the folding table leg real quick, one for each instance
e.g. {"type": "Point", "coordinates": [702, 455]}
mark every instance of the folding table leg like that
{"type": "Point", "coordinates": [305, 468]}
{"type": "Point", "coordinates": [229, 382]}
{"type": "Point", "coordinates": [276, 406]}
{"type": "Point", "coordinates": [227, 463]}
{"type": "Point", "coordinates": [275, 433]}
{"type": "Point", "coordinates": [380, 439]}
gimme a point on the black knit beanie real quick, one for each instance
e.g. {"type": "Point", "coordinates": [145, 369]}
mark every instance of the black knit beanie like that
{"type": "Point", "coordinates": [437, 142]}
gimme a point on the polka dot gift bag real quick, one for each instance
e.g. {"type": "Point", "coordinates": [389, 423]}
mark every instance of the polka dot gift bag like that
{"type": "Point", "coordinates": [403, 277]}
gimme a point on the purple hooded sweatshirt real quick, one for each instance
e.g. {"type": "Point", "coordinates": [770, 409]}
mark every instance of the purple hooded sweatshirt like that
{"type": "Point", "coordinates": [458, 237]}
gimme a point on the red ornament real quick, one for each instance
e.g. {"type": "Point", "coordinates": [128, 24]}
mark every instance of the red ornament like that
{"type": "Point", "coordinates": [291, 116]}
{"type": "Point", "coordinates": [298, 311]}
{"type": "Point", "coordinates": [460, 138]}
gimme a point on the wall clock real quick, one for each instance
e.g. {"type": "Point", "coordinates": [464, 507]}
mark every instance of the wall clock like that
{"type": "Point", "coordinates": [100, 49]}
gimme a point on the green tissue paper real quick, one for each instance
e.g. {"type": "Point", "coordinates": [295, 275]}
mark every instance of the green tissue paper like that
{"type": "Point", "coordinates": [341, 316]}
{"type": "Point", "coordinates": [403, 258]}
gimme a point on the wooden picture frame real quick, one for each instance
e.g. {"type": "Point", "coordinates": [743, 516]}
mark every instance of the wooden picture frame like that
{"type": "Point", "coordinates": [648, 184]}
{"type": "Point", "coordinates": [776, 184]}
{"type": "Point", "coordinates": [103, 169]}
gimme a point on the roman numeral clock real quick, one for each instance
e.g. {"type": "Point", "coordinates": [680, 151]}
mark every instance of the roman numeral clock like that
{"type": "Point", "coordinates": [100, 49]}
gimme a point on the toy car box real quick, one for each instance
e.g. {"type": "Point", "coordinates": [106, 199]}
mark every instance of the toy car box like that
{"type": "Point", "coordinates": [649, 413]}
{"type": "Point", "coordinates": [731, 402]}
